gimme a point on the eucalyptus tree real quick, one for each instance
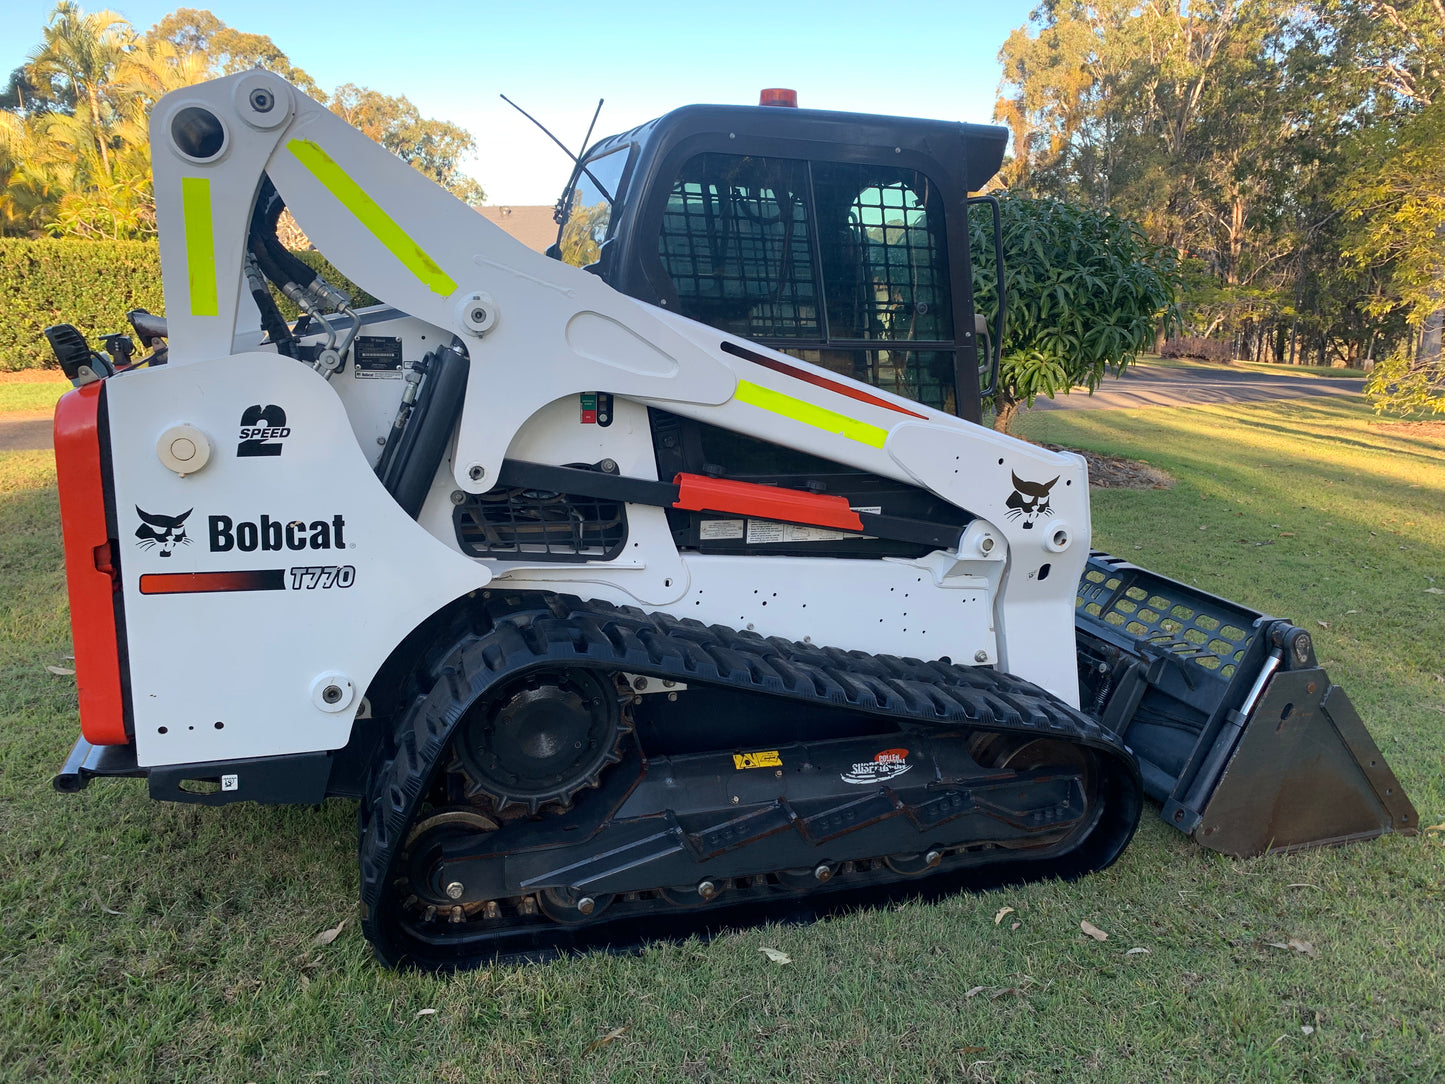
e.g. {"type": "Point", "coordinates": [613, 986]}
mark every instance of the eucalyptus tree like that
{"type": "Point", "coordinates": [1393, 195]}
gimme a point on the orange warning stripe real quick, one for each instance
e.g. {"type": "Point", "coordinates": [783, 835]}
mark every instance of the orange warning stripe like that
{"type": "Point", "coordinates": [189, 583]}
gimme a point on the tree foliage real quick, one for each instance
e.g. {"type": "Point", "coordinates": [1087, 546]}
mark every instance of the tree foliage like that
{"type": "Point", "coordinates": [1287, 152]}
{"type": "Point", "coordinates": [1393, 196]}
{"type": "Point", "coordinates": [74, 120]}
{"type": "Point", "coordinates": [228, 51]}
{"type": "Point", "coordinates": [1085, 292]}
{"type": "Point", "coordinates": [432, 147]}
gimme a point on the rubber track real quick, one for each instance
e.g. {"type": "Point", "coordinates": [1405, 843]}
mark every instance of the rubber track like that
{"type": "Point", "coordinates": [597, 635]}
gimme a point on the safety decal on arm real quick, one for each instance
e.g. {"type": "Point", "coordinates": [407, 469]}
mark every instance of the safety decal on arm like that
{"type": "Point", "coordinates": [369, 213]}
{"type": "Point", "coordinates": [800, 410]}
{"type": "Point", "coordinates": [200, 245]}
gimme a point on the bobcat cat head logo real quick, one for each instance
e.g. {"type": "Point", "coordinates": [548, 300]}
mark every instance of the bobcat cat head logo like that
{"type": "Point", "coordinates": [1029, 501]}
{"type": "Point", "coordinates": [167, 532]}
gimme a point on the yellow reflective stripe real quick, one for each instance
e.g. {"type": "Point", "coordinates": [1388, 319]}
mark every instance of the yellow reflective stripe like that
{"type": "Point", "coordinates": [800, 410]}
{"type": "Point", "coordinates": [200, 245]}
{"type": "Point", "coordinates": [369, 213]}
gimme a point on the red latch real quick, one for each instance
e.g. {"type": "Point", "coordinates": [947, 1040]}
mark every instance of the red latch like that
{"type": "Point", "coordinates": [698, 493]}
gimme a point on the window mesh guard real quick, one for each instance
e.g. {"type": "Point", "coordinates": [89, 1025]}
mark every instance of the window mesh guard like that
{"type": "Point", "coordinates": [735, 243]}
{"type": "Point", "coordinates": [886, 273]}
{"type": "Point", "coordinates": [1191, 625]}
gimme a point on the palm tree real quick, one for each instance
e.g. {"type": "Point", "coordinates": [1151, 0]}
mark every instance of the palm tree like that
{"type": "Point", "coordinates": [83, 52]}
{"type": "Point", "coordinates": [83, 168]}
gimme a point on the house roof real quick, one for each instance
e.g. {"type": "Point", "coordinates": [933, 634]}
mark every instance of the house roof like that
{"type": "Point", "coordinates": [533, 226]}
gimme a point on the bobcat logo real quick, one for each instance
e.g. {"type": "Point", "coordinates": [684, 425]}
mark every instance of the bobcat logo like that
{"type": "Point", "coordinates": [1029, 501]}
{"type": "Point", "coordinates": [167, 532]}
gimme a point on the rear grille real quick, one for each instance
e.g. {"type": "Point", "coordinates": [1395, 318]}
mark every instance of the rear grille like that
{"type": "Point", "coordinates": [517, 524]}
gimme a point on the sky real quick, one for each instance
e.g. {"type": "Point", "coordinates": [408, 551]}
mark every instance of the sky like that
{"type": "Point", "coordinates": [555, 58]}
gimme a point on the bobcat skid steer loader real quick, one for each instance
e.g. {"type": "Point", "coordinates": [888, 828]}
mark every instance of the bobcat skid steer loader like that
{"type": "Point", "coordinates": [676, 592]}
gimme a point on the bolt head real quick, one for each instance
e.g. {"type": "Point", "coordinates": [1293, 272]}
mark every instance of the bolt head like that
{"type": "Point", "coordinates": [476, 472]}
{"type": "Point", "coordinates": [980, 656]}
{"type": "Point", "coordinates": [458, 497]}
{"type": "Point", "coordinates": [455, 890]}
{"type": "Point", "coordinates": [932, 858]}
{"type": "Point", "coordinates": [823, 874]}
{"type": "Point", "coordinates": [262, 100]}
{"type": "Point", "coordinates": [706, 889]}
{"type": "Point", "coordinates": [331, 694]}
{"type": "Point", "coordinates": [586, 905]}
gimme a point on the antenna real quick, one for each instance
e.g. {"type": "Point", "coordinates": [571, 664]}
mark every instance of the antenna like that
{"type": "Point", "coordinates": [577, 166]}
{"type": "Point", "coordinates": [587, 139]}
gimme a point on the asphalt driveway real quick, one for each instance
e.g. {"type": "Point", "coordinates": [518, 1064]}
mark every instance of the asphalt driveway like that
{"type": "Point", "coordinates": [25, 432]}
{"type": "Point", "coordinates": [1146, 385]}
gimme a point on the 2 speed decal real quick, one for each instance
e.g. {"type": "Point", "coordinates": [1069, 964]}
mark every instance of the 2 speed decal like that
{"type": "Point", "coordinates": [263, 428]}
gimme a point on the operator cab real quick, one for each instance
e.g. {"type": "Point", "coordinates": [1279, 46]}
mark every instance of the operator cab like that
{"type": "Point", "coordinates": [839, 238]}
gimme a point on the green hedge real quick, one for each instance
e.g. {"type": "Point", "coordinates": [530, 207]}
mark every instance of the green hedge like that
{"type": "Point", "coordinates": [90, 284]}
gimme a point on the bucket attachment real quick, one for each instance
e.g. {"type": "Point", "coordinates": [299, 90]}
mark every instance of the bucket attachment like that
{"type": "Point", "coordinates": [1239, 734]}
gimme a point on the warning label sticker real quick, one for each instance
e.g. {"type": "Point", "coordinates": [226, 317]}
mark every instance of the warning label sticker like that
{"type": "Point", "coordinates": [767, 758]}
{"type": "Point", "coordinates": [719, 530]}
{"type": "Point", "coordinates": [764, 531]}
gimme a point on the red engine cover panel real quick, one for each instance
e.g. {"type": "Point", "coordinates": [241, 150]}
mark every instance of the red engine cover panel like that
{"type": "Point", "coordinates": [90, 573]}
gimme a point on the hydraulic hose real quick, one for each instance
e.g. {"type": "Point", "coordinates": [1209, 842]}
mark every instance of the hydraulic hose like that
{"type": "Point", "coordinates": [263, 221]}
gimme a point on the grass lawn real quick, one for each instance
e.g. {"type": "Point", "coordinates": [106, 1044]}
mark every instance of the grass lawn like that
{"type": "Point", "coordinates": [1331, 371]}
{"type": "Point", "coordinates": [145, 942]}
{"type": "Point", "coordinates": [1253, 367]}
{"type": "Point", "coordinates": [31, 391]}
